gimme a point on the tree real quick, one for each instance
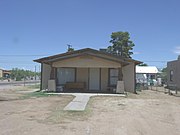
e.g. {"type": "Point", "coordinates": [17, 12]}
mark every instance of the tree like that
{"type": "Point", "coordinates": [121, 44]}
{"type": "Point", "coordinates": [163, 74]}
{"type": "Point", "coordinates": [19, 74]}
{"type": "Point", "coordinates": [143, 64]}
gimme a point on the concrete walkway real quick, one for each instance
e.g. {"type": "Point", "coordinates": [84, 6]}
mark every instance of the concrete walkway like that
{"type": "Point", "coordinates": [78, 104]}
{"type": "Point", "coordinates": [80, 101]}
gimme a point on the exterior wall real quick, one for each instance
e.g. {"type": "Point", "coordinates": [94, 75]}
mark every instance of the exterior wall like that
{"type": "Point", "coordinates": [1, 73]}
{"type": "Point", "coordinates": [129, 77]}
{"type": "Point", "coordinates": [175, 67]}
{"type": "Point", "coordinates": [46, 71]}
{"type": "Point", "coordinates": [82, 75]}
{"type": "Point", "coordinates": [86, 62]}
{"type": "Point", "coordinates": [104, 79]}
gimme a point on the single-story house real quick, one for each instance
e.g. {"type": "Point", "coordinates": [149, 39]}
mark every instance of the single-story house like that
{"type": "Point", "coordinates": [87, 70]}
{"type": "Point", "coordinates": [4, 73]}
{"type": "Point", "coordinates": [173, 74]}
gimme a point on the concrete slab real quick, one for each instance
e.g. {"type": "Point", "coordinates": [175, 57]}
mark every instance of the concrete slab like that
{"type": "Point", "coordinates": [78, 104]}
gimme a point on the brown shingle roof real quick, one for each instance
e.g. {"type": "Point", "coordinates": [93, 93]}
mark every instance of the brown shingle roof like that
{"type": "Point", "coordinates": [87, 51]}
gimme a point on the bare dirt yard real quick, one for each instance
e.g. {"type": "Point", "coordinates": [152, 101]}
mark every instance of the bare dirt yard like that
{"type": "Point", "coordinates": [146, 113]}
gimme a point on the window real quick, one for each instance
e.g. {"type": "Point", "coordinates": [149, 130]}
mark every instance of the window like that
{"type": "Point", "coordinates": [65, 75]}
{"type": "Point", "coordinates": [113, 76]}
{"type": "Point", "coordinates": [171, 75]}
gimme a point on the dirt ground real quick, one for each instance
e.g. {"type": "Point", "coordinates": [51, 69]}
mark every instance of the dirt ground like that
{"type": "Point", "coordinates": [147, 113]}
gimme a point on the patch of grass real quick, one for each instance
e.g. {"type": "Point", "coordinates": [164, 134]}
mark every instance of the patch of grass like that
{"type": "Point", "coordinates": [27, 87]}
{"type": "Point", "coordinates": [36, 86]}
{"type": "Point", "coordinates": [62, 116]}
{"type": "Point", "coordinates": [36, 95]}
{"type": "Point", "coordinates": [59, 115]}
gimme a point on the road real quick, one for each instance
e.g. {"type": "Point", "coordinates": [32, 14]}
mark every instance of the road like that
{"type": "Point", "coordinates": [5, 84]}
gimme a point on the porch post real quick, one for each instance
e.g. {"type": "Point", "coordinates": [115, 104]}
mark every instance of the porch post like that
{"type": "Point", "coordinates": [52, 81]}
{"type": "Point", "coordinates": [53, 75]}
{"type": "Point", "coordinates": [120, 82]}
{"type": "Point", "coordinates": [120, 74]}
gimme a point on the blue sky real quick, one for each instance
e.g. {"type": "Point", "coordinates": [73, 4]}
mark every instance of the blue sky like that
{"type": "Point", "coordinates": [40, 28]}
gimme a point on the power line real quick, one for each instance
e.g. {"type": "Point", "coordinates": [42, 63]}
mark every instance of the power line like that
{"type": "Point", "coordinates": [22, 55]}
{"type": "Point", "coordinates": [154, 61]}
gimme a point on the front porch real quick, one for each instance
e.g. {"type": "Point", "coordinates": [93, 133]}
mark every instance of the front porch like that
{"type": "Point", "coordinates": [93, 80]}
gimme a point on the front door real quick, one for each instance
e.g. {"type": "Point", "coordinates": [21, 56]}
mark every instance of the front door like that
{"type": "Point", "coordinates": [94, 79]}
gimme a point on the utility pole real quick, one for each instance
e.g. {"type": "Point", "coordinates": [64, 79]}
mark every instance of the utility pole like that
{"type": "Point", "coordinates": [35, 72]}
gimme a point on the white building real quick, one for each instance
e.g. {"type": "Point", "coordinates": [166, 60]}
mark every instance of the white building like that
{"type": "Point", "coordinates": [146, 73]}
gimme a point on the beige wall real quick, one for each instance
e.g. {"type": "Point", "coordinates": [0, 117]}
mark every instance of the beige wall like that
{"type": "Point", "coordinates": [82, 75]}
{"type": "Point", "coordinates": [104, 79]}
{"type": "Point", "coordinates": [175, 67]}
{"type": "Point", "coordinates": [46, 70]}
{"type": "Point", "coordinates": [1, 73]}
{"type": "Point", "coordinates": [129, 77]}
{"type": "Point", "coordinates": [86, 62]}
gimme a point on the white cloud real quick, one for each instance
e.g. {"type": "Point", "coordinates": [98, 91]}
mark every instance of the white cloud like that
{"type": "Point", "coordinates": [177, 50]}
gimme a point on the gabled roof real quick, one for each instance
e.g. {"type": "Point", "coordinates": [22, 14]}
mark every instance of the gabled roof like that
{"type": "Point", "coordinates": [147, 69]}
{"type": "Point", "coordinates": [86, 51]}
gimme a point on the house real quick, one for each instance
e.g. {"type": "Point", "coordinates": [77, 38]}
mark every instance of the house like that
{"type": "Point", "coordinates": [87, 70]}
{"type": "Point", "coordinates": [4, 73]}
{"type": "Point", "coordinates": [146, 73]}
{"type": "Point", "coordinates": [173, 74]}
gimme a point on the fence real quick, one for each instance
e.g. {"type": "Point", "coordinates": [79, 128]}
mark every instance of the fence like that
{"type": "Point", "coordinates": [170, 89]}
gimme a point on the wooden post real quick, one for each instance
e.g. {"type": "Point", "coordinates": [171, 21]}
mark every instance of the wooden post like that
{"type": "Point", "coordinates": [52, 75]}
{"type": "Point", "coordinates": [120, 76]}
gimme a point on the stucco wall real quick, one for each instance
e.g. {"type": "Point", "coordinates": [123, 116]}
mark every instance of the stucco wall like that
{"type": "Point", "coordinates": [86, 62]}
{"type": "Point", "coordinates": [175, 67]}
{"type": "Point", "coordinates": [129, 77]}
{"type": "Point", "coordinates": [82, 75]}
{"type": "Point", "coordinates": [104, 79]}
{"type": "Point", "coordinates": [46, 70]}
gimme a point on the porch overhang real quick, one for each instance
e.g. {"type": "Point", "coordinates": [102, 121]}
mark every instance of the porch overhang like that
{"type": "Point", "coordinates": [87, 54]}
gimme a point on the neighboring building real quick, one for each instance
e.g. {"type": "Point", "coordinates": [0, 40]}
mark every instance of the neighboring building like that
{"type": "Point", "coordinates": [6, 73]}
{"type": "Point", "coordinates": [173, 73]}
{"type": "Point", "coordinates": [87, 70]}
{"type": "Point", "coordinates": [146, 73]}
{"type": "Point", "coordinates": [1, 73]}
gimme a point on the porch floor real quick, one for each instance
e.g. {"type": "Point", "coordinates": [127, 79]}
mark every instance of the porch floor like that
{"type": "Point", "coordinates": [85, 91]}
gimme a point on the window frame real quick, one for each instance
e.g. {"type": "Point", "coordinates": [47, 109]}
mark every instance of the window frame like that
{"type": "Point", "coordinates": [113, 76]}
{"type": "Point", "coordinates": [74, 79]}
{"type": "Point", "coordinates": [171, 75]}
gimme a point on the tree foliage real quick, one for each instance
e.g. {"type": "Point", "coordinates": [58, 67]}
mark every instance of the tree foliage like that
{"type": "Point", "coordinates": [121, 44]}
{"type": "Point", "coordinates": [19, 74]}
{"type": "Point", "coordinates": [163, 74]}
{"type": "Point", "coordinates": [143, 64]}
